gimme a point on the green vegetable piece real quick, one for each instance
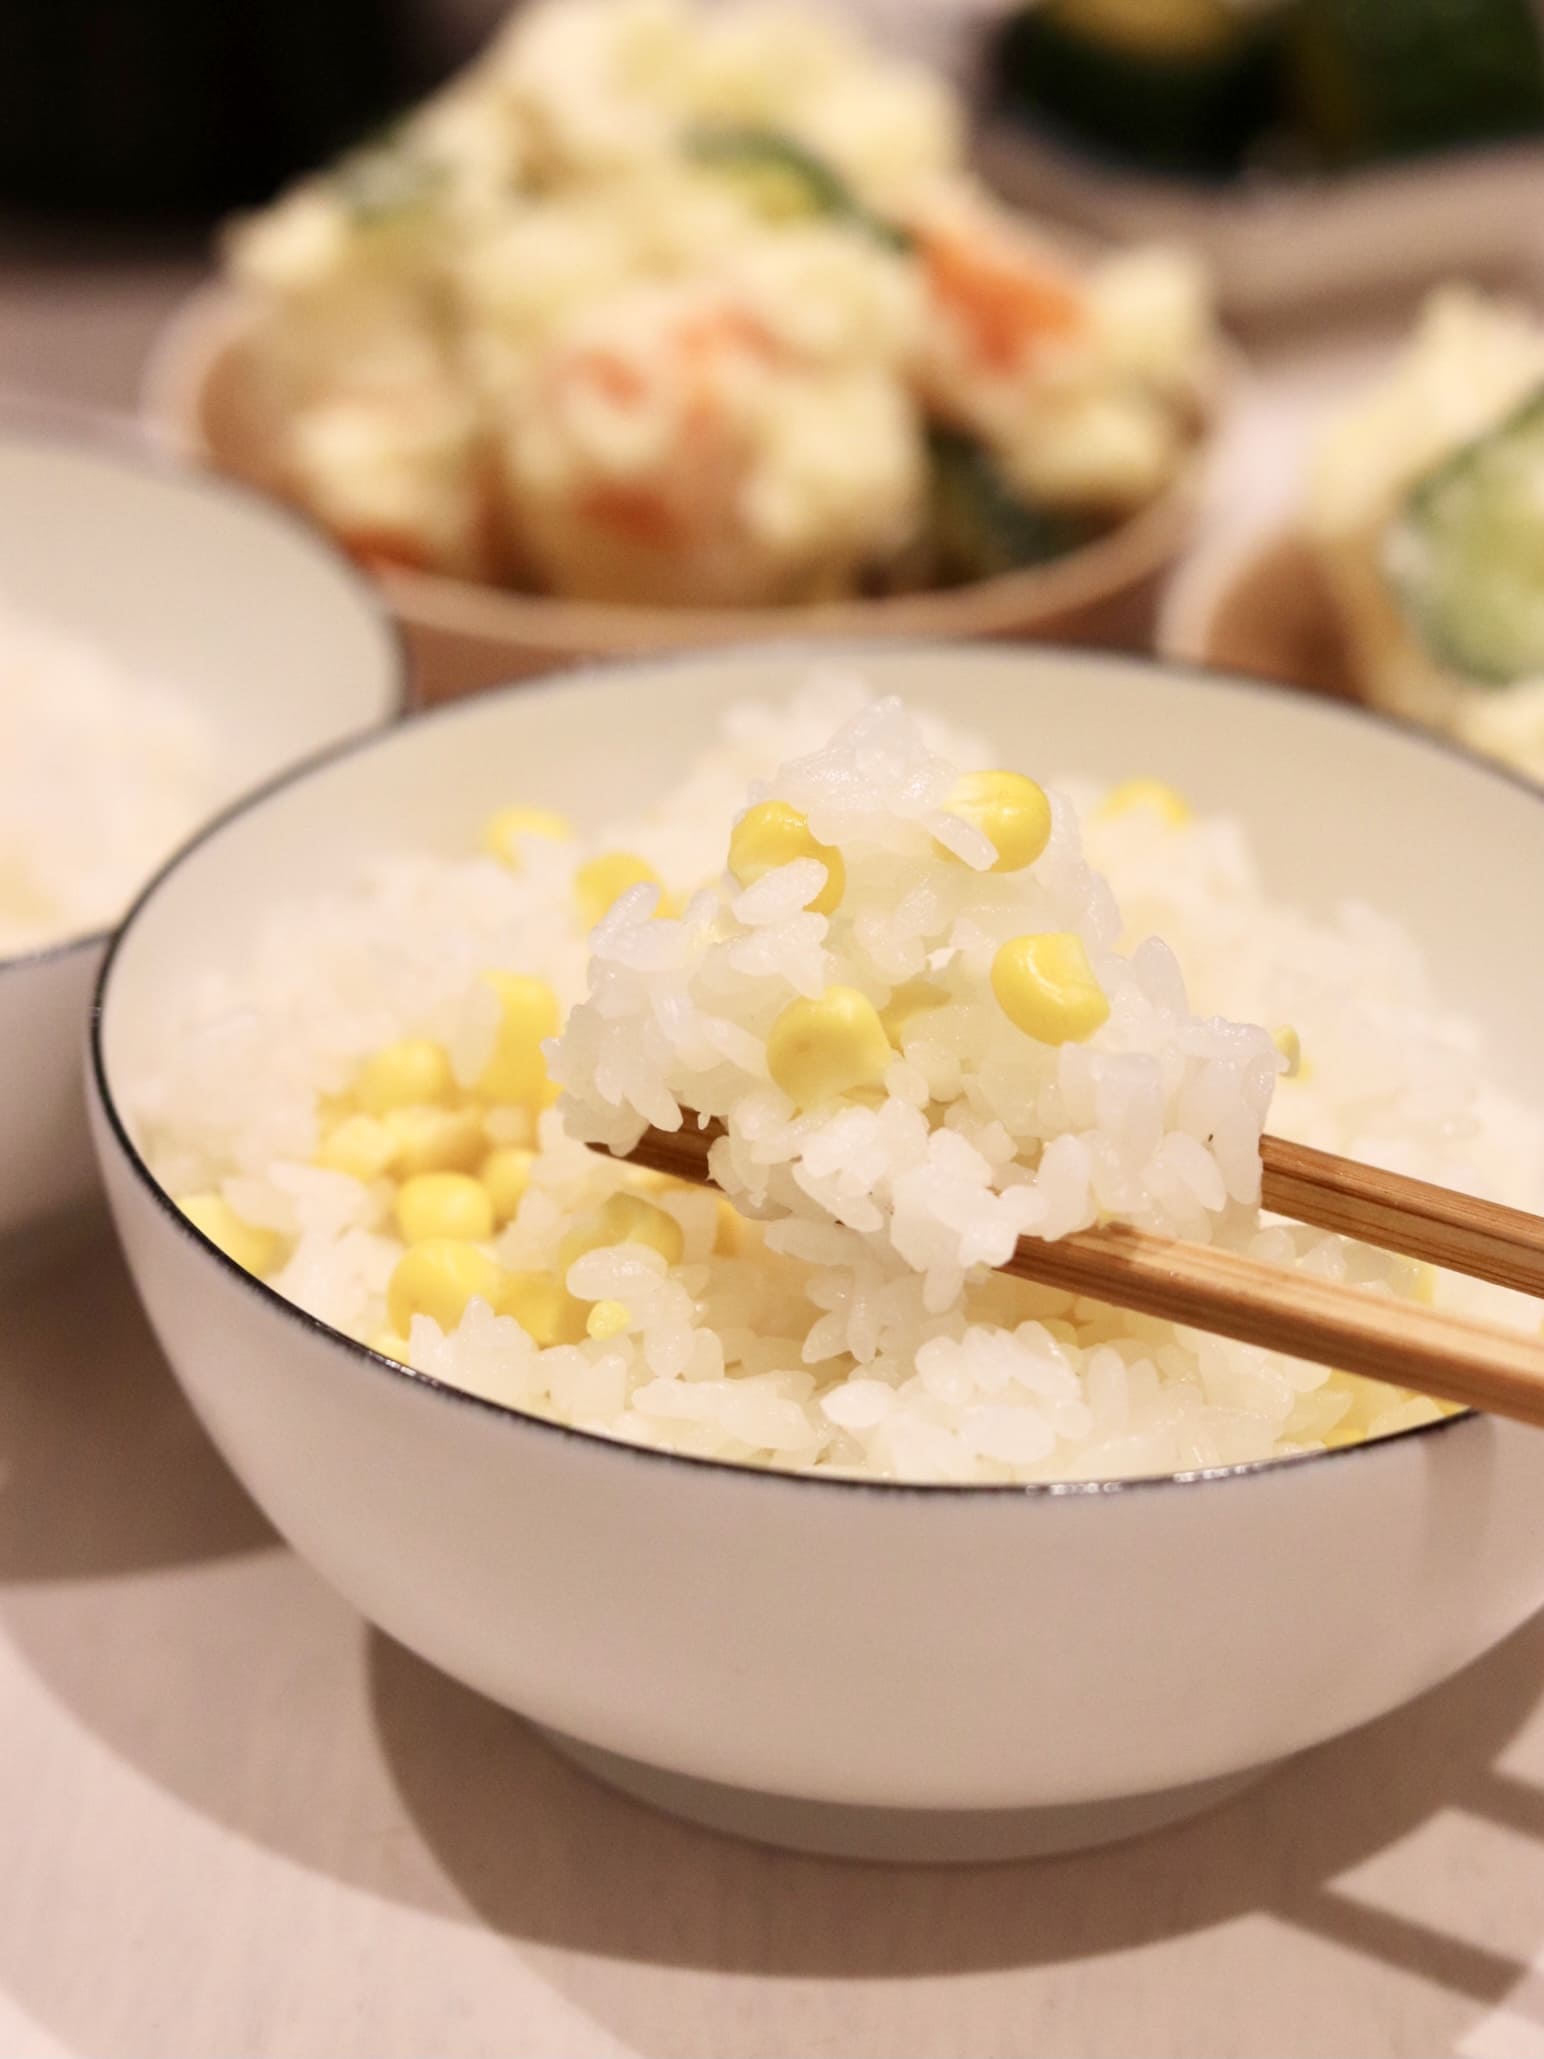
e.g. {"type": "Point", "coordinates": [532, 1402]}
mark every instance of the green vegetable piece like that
{"type": "Point", "coordinates": [788, 181]}
{"type": "Point", "coordinates": [978, 526]}
{"type": "Point", "coordinates": [1377, 79]}
{"type": "Point", "coordinates": [1465, 555]}
{"type": "Point", "coordinates": [383, 181]}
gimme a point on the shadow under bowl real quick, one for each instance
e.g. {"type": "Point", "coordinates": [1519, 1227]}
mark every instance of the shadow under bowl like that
{"type": "Point", "coordinates": [1258, 605]}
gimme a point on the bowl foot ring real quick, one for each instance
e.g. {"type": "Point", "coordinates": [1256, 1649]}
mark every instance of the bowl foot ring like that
{"type": "Point", "coordinates": [910, 1836]}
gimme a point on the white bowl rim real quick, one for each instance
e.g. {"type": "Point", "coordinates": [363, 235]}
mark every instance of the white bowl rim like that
{"type": "Point", "coordinates": [1207, 679]}
{"type": "Point", "coordinates": [116, 446]}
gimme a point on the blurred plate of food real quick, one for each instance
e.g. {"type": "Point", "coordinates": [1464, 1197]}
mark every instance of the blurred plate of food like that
{"type": "Point", "coordinates": [664, 326]}
{"type": "Point", "coordinates": [1413, 574]}
{"type": "Point", "coordinates": [1310, 149]}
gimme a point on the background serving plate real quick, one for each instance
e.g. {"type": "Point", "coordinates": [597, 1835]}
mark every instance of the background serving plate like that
{"type": "Point", "coordinates": [199, 397]}
{"type": "Point", "coordinates": [1257, 604]}
{"type": "Point", "coordinates": [1275, 245]}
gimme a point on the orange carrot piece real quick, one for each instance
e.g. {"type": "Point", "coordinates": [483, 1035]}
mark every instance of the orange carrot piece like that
{"type": "Point", "coordinates": [639, 513]}
{"type": "Point", "coordinates": [1006, 303]}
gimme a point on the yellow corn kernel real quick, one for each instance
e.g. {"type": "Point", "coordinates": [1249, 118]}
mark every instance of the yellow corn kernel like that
{"type": "Point", "coordinates": [912, 998]}
{"type": "Point", "coordinates": [544, 1308]}
{"type": "Point", "coordinates": [1171, 808]}
{"type": "Point", "coordinates": [390, 1345]}
{"type": "Point", "coordinates": [506, 1173]}
{"type": "Point", "coordinates": [502, 832]}
{"type": "Point", "coordinates": [410, 1073]}
{"type": "Point", "coordinates": [438, 1278]}
{"type": "Point", "coordinates": [331, 1109]}
{"type": "Point", "coordinates": [1047, 988]}
{"type": "Point", "coordinates": [361, 1145]}
{"type": "Point", "coordinates": [776, 833]}
{"type": "Point", "coordinates": [1290, 1045]}
{"type": "Point", "coordinates": [603, 881]}
{"type": "Point", "coordinates": [443, 1204]}
{"type": "Point", "coordinates": [819, 1049]}
{"type": "Point", "coordinates": [1011, 812]}
{"type": "Point", "coordinates": [1369, 1397]}
{"type": "Point", "coordinates": [516, 1074]}
{"type": "Point", "coordinates": [608, 1319]}
{"type": "Point", "coordinates": [728, 1229]}
{"type": "Point", "coordinates": [624, 1219]}
{"type": "Point", "coordinates": [436, 1139]}
{"type": "Point", "coordinates": [254, 1249]}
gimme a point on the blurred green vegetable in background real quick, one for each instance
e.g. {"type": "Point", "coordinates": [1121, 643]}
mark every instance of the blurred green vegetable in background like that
{"type": "Point", "coordinates": [1208, 88]}
{"type": "Point", "coordinates": [1180, 86]}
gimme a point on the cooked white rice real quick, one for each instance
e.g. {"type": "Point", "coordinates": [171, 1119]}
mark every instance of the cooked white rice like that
{"type": "Point", "coordinates": [101, 775]}
{"type": "Point", "coordinates": [859, 1328]}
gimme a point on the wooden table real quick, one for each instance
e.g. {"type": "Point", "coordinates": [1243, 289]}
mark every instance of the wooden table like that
{"type": "Point", "coordinates": [236, 1820]}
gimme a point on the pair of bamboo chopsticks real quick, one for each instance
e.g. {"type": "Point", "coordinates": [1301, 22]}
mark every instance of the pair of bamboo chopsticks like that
{"type": "Point", "coordinates": [1253, 1302]}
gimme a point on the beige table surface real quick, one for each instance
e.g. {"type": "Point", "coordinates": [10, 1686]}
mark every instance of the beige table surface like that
{"type": "Point", "coordinates": [234, 1820]}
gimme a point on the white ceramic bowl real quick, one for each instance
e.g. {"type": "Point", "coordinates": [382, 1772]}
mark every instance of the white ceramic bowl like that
{"type": "Point", "coordinates": [210, 589]}
{"type": "Point", "coordinates": [857, 1667]}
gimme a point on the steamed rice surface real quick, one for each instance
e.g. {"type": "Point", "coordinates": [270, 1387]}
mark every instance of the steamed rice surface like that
{"type": "Point", "coordinates": [843, 1316]}
{"type": "Point", "coordinates": [101, 774]}
{"type": "Point", "coordinates": [979, 1133]}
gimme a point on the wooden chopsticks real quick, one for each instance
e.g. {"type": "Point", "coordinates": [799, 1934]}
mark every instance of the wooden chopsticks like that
{"type": "Point", "coordinates": [1481, 1238]}
{"type": "Point", "coordinates": [1231, 1295]}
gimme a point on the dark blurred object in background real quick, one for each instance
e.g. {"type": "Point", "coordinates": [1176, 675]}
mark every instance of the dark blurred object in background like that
{"type": "Point", "coordinates": [1378, 79]}
{"type": "Point", "coordinates": [1209, 88]}
{"type": "Point", "coordinates": [1181, 88]}
{"type": "Point", "coordinates": [179, 109]}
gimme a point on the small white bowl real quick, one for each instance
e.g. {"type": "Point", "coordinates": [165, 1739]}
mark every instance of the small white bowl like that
{"type": "Point", "coordinates": [210, 590]}
{"type": "Point", "coordinates": [929, 1672]}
